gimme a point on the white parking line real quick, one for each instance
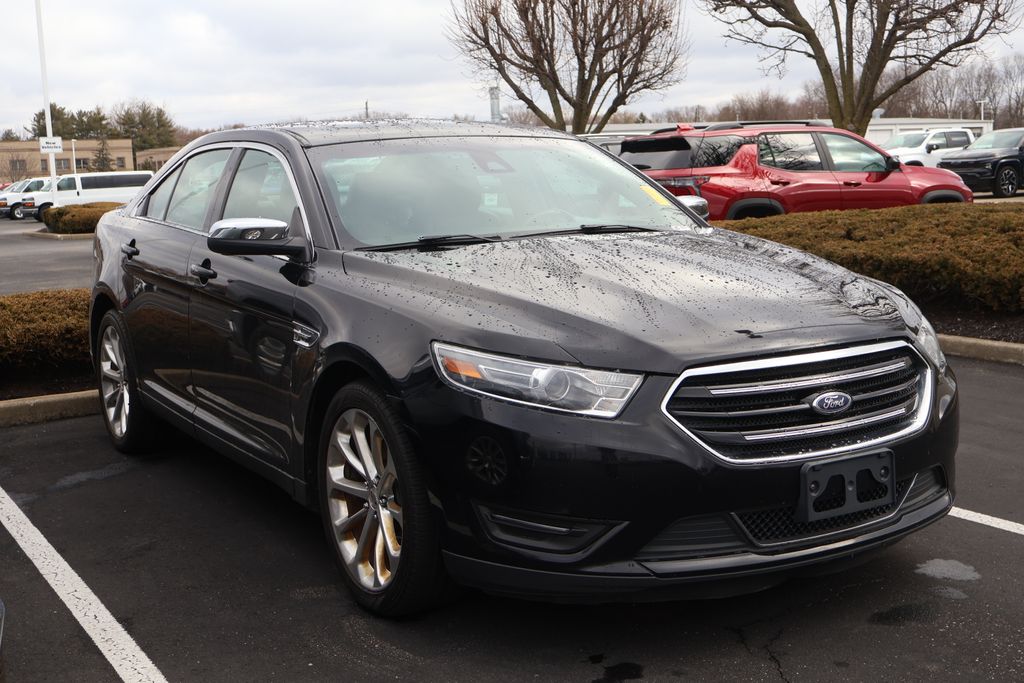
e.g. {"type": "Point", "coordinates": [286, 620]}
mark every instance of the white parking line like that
{"type": "Point", "coordinates": [130, 662]}
{"type": "Point", "coordinates": [988, 520]}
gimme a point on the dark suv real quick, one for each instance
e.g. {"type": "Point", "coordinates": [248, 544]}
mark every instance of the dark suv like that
{"type": "Point", "coordinates": [753, 169]}
{"type": "Point", "coordinates": [992, 163]}
{"type": "Point", "coordinates": [502, 355]}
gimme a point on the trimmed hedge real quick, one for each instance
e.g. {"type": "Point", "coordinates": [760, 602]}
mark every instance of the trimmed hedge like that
{"type": "Point", "coordinates": [77, 218]}
{"type": "Point", "coordinates": [967, 256]}
{"type": "Point", "coordinates": [41, 332]}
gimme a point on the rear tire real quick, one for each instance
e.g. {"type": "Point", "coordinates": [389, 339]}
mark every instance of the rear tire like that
{"type": "Point", "coordinates": [1007, 182]}
{"type": "Point", "coordinates": [374, 505]}
{"type": "Point", "coordinates": [130, 425]}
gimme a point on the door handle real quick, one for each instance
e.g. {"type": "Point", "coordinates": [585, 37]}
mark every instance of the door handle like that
{"type": "Point", "coordinates": [851, 183]}
{"type": "Point", "coordinates": [203, 271]}
{"type": "Point", "coordinates": [129, 249]}
{"type": "Point", "coordinates": [778, 181]}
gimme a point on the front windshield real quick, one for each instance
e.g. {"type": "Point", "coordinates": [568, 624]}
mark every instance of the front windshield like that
{"type": "Point", "coordinates": [396, 191]}
{"type": "Point", "coordinates": [999, 139]}
{"type": "Point", "coordinates": [905, 140]}
{"type": "Point", "coordinates": [16, 187]}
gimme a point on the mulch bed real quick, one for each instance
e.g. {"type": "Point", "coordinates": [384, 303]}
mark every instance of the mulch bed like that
{"type": "Point", "coordinates": [1007, 327]}
{"type": "Point", "coordinates": [40, 386]}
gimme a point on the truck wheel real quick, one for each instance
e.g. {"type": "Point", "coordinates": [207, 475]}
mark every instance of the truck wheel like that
{"type": "Point", "coordinates": [39, 212]}
{"type": "Point", "coordinates": [1007, 182]}
{"type": "Point", "coordinates": [17, 212]}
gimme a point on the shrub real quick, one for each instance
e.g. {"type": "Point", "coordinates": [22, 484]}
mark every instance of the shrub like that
{"type": "Point", "coordinates": [41, 332]}
{"type": "Point", "coordinates": [76, 218]}
{"type": "Point", "coordinates": [965, 256]}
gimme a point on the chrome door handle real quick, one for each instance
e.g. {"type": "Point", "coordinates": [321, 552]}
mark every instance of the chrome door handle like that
{"type": "Point", "coordinates": [129, 249]}
{"type": "Point", "coordinates": [203, 271]}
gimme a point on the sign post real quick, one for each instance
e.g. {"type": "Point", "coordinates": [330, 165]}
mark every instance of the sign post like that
{"type": "Point", "coordinates": [46, 107]}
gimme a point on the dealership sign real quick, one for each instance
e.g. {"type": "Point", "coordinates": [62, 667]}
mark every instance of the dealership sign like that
{"type": "Point", "coordinates": [51, 145]}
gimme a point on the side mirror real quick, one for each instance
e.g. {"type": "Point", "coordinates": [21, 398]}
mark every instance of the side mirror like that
{"type": "Point", "coordinates": [698, 205]}
{"type": "Point", "coordinates": [892, 164]}
{"type": "Point", "coordinates": [931, 147]}
{"type": "Point", "coordinates": [255, 237]}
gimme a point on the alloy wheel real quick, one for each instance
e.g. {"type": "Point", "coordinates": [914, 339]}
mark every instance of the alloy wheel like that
{"type": "Point", "coordinates": [114, 381]}
{"type": "Point", "coordinates": [1008, 181]}
{"type": "Point", "coordinates": [362, 499]}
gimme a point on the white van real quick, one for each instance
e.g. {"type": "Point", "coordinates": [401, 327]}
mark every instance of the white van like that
{"type": "Point", "coordinates": [85, 188]}
{"type": "Point", "coordinates": [13, 198]}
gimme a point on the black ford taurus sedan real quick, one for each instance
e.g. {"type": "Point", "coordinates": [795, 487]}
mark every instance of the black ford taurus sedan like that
{"type": "Point", "coordinates": [503, 357]}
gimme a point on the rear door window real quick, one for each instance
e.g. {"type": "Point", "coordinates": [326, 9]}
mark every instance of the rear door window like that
{"type": "Point", "coordinates": [681, 151]}
{"type": "Point", "coordinates": [195, 188]}
{"type": "Point", "coordinates": [957, 139]}
{"type": "Point", "coordinates": [789, 151]}
{"type": "Point", "coordinates": [159, 200]}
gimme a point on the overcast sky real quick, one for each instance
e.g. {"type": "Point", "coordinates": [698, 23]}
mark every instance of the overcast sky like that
{"type": "Point", "coordinates": [216, 62]}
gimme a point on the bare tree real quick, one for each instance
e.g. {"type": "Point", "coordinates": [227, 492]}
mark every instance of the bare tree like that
{"type": "Point", "coordinates": [573, 63]}
{"type": "Point", "coordinates": [853, 42]}
{"type": "Point", "coordinates": [15, 166]}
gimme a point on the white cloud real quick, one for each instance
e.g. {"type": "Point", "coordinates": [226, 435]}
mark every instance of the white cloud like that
{"type": "Point", "coordinates": [213, 62]}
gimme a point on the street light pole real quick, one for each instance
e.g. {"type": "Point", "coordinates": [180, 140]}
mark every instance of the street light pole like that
{"type": "Point", "coordinates": [74, 162]}
{"type": "Point", "coordinates": [46, 98]}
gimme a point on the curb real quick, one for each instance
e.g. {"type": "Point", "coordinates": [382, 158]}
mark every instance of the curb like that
{"type": "Point", "coordinates": [56, 235]}
{"type": "Point", "coordinates": [982, 349]}
{"type": "Point", "coordinates": [23, 411]}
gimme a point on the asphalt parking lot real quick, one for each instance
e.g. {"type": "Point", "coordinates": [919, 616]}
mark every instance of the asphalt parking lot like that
{"type": "Point", "coordinates": [217, 575]}
{"type": "Point", "coordinates": [28, 263]}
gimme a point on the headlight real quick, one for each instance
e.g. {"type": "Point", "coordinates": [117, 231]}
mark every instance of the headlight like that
{"type": "Point", "coordinates": [930, 343]}
{"type": "Point", "coordinates": [597, 393]}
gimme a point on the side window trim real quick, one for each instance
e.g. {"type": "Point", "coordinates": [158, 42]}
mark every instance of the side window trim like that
{"type": "Point", "coordinates": [220, 195]}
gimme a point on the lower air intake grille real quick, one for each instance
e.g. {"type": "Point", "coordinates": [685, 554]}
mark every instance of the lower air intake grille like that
{"type": "Point", "coordinates": [764, 410]}
{"type": "Point", "coordinates": [780, 525]}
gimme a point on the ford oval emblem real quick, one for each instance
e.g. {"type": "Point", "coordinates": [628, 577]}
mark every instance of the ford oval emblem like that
{"type": "Point", "coordinates": [831, 402]}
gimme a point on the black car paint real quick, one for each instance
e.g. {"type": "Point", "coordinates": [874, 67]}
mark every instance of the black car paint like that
{"type": "Point", "coordinates": [226, 365]}
{"type": "Point", "coordinates": [978, 168]}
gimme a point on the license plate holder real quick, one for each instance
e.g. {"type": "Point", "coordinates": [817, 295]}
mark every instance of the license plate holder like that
{"type": "Point", "coordinates": [863, 476]}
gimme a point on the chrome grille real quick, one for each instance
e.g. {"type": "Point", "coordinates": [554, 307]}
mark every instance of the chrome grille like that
{"type": "Point", "coordinates": [759, 411]}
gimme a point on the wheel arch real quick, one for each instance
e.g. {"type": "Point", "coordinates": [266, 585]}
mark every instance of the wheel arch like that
{"type": "Point", "coordinates": [343, 363]}
{"type": "Point", "coordinates": [942, 197]}
{"type": "Point", "coordinates": [102, 301]}
{"type": "Point", "coordinates": [763, 205]}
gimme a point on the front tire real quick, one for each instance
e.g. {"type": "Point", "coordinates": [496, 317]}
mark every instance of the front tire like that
{"type": "Point", "coordinates": [1007, 182]}
{"type": "Point", "coordinates": [129, 424]}
{"type": "Point", "coordinates": [39, 213]}
{"type": "Point", "coordinates": [17, 212]}
{"type": "Point", "coordinates": [374, 505]}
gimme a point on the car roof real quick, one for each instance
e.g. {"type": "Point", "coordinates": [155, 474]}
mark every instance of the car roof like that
{"type": "Point", "coordinates": [749, 130]}
{"type": "Point", "coordinates": [316, 133]}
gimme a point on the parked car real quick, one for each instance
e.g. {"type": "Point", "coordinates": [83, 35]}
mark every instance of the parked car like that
{"type": "Point", "coordinates": [927, 147]}
{"type": "Point", "coordinates": [756, 169]}
{"type": "Point", "coordinates": [992, 163]}
{"type": "Point", "coordinates": [526, 369]}
{"type": "Point", "coordinates": [85, 188]}
{"type": "Point", "coordinates": [12, 203]}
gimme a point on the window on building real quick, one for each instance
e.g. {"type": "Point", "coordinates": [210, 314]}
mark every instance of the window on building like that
{"type": "Point", "coordinates": [82, 164]}
{"type": "Point", "coordinates": [119, 162]}
{"type": "Point", "coordinates": [63, 164]}
{"type": "Point", "coordinates": [44, 166]}
{"type": "Point", "coordinates": [18, 165]}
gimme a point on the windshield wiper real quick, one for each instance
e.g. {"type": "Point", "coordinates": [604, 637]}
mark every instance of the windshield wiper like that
{"type": "Point", "coordinates": [428, 241]}
{"type": "Point", "coordinates": [593, 229]}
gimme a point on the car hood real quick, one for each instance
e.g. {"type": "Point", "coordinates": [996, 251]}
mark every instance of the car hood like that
{"type": "Point", "coordinates": [896, 151]}
{"type": "Point", "coordinates": [654, 302]}
{"type": "Point", "coordinates": [967, 154]}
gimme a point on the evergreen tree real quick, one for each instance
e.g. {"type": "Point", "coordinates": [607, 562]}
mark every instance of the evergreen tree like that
{"type": "Point", "coordinates": [101, 159]}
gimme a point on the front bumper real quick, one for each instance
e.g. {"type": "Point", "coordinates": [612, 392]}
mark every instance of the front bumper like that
{"type": "Point", "coordinates": [976, 178]}
{"type": "Point", "coordinates": [710, 577]}
{"type": "Point", "coordinates": [581, 502]}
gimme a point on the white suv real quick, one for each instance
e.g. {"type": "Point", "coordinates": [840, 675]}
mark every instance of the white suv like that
{"type": "Point", "coordinates": [927, 147]}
